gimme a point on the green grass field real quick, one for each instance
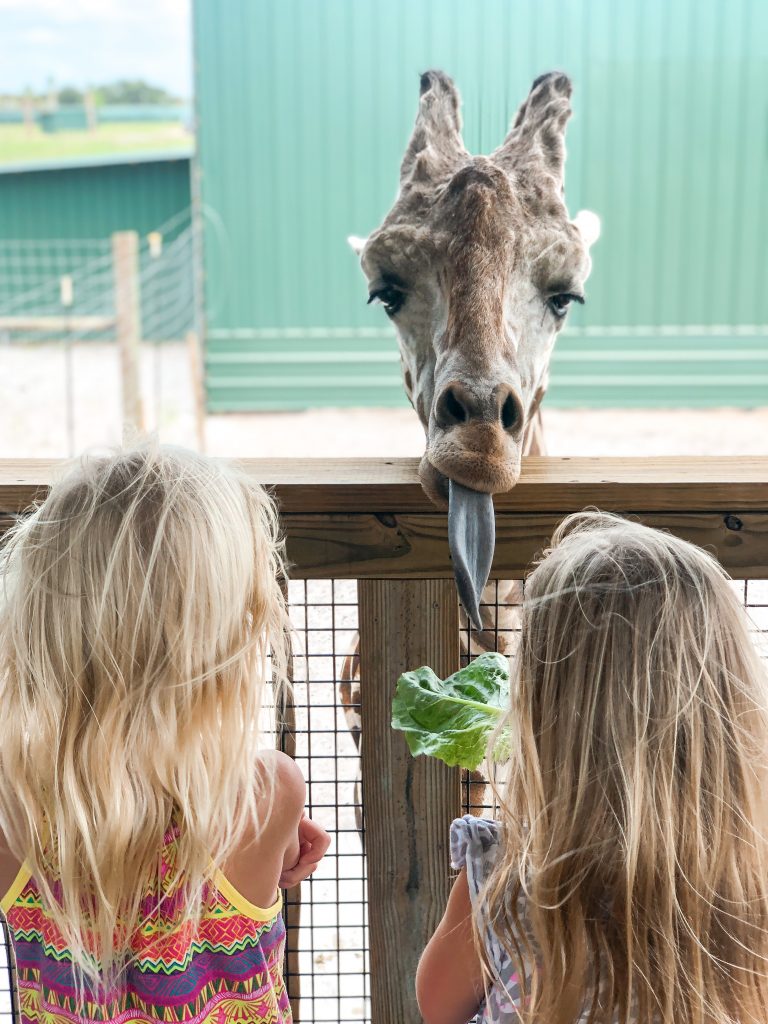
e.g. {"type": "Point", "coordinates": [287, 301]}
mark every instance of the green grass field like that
{"type": "Point", "coordinates": [20, 144]}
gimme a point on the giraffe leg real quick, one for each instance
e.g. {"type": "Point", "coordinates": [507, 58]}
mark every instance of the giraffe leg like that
{"type": "Point", "coordinates": [350, 697]}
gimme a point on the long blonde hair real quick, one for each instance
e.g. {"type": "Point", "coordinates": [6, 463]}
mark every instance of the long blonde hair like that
{"type": "Point", "coordinates": [140, 604]}
{"type": "Point", "coordinates": [633, 884]}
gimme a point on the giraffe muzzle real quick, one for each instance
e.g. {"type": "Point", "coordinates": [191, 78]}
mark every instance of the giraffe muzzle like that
{"type": "Point", "coordinates": [475, 435]}
{"type": "Point", "coordinates": [479, 456]}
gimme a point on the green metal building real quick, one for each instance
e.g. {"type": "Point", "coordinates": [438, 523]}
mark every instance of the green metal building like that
{"type": "Point", "coordinates": [304, 108]}
{"type": "Point", "coordinates": [56, 219]}
{"type": "Point", "coordinates": [90, 197]}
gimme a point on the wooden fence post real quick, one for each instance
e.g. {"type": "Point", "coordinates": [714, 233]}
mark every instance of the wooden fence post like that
{"type": "Point", "coordinates": [197, 376]}
{"type": "Point", "coordinates": [409, 802]}
{"type": "Point", "coordinates": [125, 268]}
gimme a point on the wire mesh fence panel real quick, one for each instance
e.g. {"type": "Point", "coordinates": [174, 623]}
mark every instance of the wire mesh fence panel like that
{"type": "Point", "coordinates": [8, 1004]}
{"type": "Point", "coordinates": [329, 948]}
{"type": "Point", "coordinates": [31, 273]}
{"type": "Point", "coordinates": [327, 941]}
{"type": "Point", "coordinates": [754, 596]}
{"type": "Point", "coordinates": [64, 336]}
{"type": "Point", "coordinates": [501, 609]}
{"type": "Point", "coordinates": [327, 963]}
{"type": "Point", "coordinates": [60, 280]}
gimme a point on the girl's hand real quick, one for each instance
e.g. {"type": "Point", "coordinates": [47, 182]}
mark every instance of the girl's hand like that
{"type": "Point", "coordinates": [313, 843]}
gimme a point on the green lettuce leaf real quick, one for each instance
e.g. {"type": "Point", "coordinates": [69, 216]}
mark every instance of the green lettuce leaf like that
{"type": "Point", "coordinates": [452, 719]}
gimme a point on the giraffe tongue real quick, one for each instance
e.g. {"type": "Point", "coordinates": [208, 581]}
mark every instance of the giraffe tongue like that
{"type": "Point", "coordinates": [471, 538]}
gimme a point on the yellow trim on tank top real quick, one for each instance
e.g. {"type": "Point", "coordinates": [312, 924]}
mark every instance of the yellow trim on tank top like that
{"type": "Point", "coordinates": [244, 906]}
{"type": "Point", "coordinates": [240, 903]}
{"type": "Point", "coordinates": [14, 889]}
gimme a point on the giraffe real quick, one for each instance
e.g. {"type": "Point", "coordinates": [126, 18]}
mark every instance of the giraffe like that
{"type": "Point", "coordinates": [476, 265]}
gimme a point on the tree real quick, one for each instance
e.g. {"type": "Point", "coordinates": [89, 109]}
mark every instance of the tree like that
{"type": "Point", "coordinates": [133, 91]}
{"type": "Point", "coordinates": [69, 94]}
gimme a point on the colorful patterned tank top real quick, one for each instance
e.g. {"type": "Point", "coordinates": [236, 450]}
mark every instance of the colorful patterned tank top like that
{"type": "Point", "coordinates": [227, 969]}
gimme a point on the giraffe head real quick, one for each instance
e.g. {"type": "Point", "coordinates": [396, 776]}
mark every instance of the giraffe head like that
{"type": "Point", "coordinates": [476, 265]}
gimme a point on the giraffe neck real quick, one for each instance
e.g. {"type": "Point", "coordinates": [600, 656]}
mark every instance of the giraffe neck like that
{"type": "Point", "coordinates": [534, 442]}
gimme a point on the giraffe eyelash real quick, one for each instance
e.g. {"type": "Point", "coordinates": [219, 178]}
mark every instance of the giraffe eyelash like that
{"type": "Point", "coordinates": [560, 302]}
{"type": "Point", "coordinates": [390, 296]}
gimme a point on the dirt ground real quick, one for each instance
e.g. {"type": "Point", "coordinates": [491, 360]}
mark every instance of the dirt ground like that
{"type": "Point", "coordinates": [37, 420]}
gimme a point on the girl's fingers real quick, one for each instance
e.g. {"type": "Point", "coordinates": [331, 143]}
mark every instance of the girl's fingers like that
{"type": "Point", "coordinates": [313, 842]}
{"type": "Point", "coordinates": [297, 874]}
{"type": "Point", "coordinates": [313, 845]}
{"type": "Point", "coordinates": [313, 855]}
{"type": "Point", "coordinates": [311, 832]}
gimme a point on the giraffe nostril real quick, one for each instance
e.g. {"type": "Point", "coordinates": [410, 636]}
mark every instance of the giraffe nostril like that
{"type": "Point", "coordinates": [457, 406]}
{"type": "Point", "coordinates": [454, 407]}
{"type": "Point", "coordinates": [450, 409]}
{"type": "Point", "coordinates": [511, 413]}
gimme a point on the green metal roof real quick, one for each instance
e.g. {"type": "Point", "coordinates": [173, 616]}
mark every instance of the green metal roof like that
{"type": "Point", "coordinates": [103, 160]}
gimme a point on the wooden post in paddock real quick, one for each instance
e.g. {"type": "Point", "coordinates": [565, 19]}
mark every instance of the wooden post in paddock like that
{"type": "Point", "coordinates": [125, 268]}
{"type": "Point", "coordinates": [409, 802]}
{"type": "Point", "coordinates": [197, 376]}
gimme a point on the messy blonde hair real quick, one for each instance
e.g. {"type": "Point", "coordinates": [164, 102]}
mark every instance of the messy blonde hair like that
{"type": "Point", "coordinates": [139, 605]}
{"type": "Point", "coordinates": [633, 883]}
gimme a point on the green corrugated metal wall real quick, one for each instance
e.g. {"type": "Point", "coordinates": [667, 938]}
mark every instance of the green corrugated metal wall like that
{"type": "Point", "coordinates": [304, 109]}
{"type": "Point", "coordinates": [91, 200]}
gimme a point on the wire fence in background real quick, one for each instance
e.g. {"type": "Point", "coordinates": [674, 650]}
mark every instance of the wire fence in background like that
{"type": "Point", "coordinates": [327, 921]}
{"type": "Point", "coordinates": [74, 279]}
{"type": "Point", "coordinates": [57, 296]}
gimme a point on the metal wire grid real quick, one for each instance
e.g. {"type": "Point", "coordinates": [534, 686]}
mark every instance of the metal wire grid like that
{"type": "Point", "coordinates": [327, 947]}
{"type": "Point", "coordinates": [328, 944]}
{"type": "Point", "coordinates": [8, 1004]}
{"type": "Point", "coordinates": [328, 951]}
{"type": "Point", "coordinates": [753, 594]}
{"type": "Point", "coordinates": [31, 273]}
{"type": "Point", "coordinates": [31, 276]}
{"type": "Point", "coordinates": [501, 610]}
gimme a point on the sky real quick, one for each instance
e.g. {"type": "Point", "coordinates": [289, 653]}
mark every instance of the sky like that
{"type": "Point", "coordinates": [87, 42]}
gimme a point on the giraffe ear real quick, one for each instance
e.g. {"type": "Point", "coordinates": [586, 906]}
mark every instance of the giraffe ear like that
{"type": "Point", "coordinates": [356, 243]}
{"type": "Point", "coordinates": [588, 224]}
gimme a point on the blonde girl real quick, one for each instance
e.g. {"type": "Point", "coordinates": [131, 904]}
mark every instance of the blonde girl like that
{"type": "Point", "coordinates": [145, 831]}
{"type": "Point", "coordinates": [627, 879]}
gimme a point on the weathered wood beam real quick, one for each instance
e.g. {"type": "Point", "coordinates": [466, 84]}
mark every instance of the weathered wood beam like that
{"type": "Point", "coordinates": [409, 802]}
{"type": "Point", "coordinates": [57, 324]}
{"type": "Point", "coordinates": [413, 546]}
{"type": "Point", "coordinates": [669, 484]}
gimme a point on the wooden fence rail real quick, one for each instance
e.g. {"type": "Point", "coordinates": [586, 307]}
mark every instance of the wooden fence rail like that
{"type": "Point", "coordinates": [369, 520]}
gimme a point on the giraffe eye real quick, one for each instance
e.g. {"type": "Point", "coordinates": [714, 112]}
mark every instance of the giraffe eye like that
{"type": "Point", "coordinates": [559, 303]}
{"type": "Point", "coordinates": [390, 297]}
